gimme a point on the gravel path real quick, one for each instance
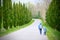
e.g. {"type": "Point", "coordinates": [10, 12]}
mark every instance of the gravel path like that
{"type": "Point", "coordinates": [29, 33]}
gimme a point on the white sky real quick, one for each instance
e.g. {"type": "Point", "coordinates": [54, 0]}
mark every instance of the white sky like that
{"type": "Point", "coordinates": [26, 1]}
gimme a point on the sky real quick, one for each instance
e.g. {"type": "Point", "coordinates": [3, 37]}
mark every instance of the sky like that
{"type": "Point", "coordinates": [26, 1]}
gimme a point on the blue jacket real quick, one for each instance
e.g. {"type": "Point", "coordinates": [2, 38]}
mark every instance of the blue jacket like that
{"type": "Point", "coordinates": [40, 26]}
{"type": "Point", "coordinates": [44, 28]}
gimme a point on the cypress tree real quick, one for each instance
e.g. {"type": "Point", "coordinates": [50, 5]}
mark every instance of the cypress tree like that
{"type": "Point", "coordinates": [10, 13]}
{"type": "Point", "coordinates": [0, 3]}
{"type": "Point", "coordinates": [17, 9]}
{"type": "Point", "coordinates": [23, 14]}
{"type": "Point", "coordinates": [20, 13]}
{"type": "Point", "coordinates": [6, 7]}
{"type": "Point", "coordinates": [0, 15]}
{"type": "Point", "coordinates": [14, 13]}
{"type": "Point", "coordinates": [53, 14]}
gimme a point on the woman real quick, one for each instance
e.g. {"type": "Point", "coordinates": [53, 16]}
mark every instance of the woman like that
{"type": "Point", "coordinates": [40, 28]}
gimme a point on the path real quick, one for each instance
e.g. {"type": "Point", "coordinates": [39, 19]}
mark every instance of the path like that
{"type": "Point", "coordinates": [29, 33]}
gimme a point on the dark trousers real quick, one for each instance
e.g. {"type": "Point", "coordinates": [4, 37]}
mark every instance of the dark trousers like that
{"type": "Point", "coordinates": [44, 33]}
{"type": "Point", "coordinates": [40, 31]}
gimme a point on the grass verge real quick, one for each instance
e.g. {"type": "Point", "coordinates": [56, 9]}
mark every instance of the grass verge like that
{"type": "Point", "coordinates": [15, 29]}
{"type": "Point", "coordinates": [51, 33]}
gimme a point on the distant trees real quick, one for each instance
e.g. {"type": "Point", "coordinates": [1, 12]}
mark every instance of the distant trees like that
{"type": "Point", "coordinates": [15, 15]}
{"type": "Point", "coordinates": [53, 15]}
{"type": "Point", "coordinates": [35, 10]}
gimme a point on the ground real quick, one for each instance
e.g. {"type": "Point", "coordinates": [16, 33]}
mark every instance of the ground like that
{"type": "Point", "coordinates": [31, 32]}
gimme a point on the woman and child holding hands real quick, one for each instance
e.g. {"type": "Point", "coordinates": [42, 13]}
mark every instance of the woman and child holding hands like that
{"type": "Point", "coordinates": [42, 29]}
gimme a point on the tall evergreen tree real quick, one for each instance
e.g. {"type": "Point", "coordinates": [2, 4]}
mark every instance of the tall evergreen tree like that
{"type": "Point", "coordinates": [6, 7]}
{"type": "Point", "coordinates": [53, 14]}
{"type": "Point", "coordinates": [0, 14]}
{"type": "Point", "coordinates": [0, 3]}
{"type": "Point", "coordinates": [10, 13]}
{"type": "Point", "coordinates": [14, 13]}
{"type": "Point", "coordinates": [20, 14]}
{"type": "Point", "coordinates": [17, 12]}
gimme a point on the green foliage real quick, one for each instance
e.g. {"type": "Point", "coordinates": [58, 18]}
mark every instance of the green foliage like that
{"type": "Point", "coordinates": [23, 15]}
{"type": "Point", "coordinates": [0, 3]}
{"type": "Point", "coordinates": [51, 33]}
{"type": "Point", "coordinates": [38, 16]}
{"type": "Point", "coordinates": [0, 14]}
{"type": "Point", "coordinates": [15, 15]}
{"type": "Point", "coordinates": [53, 14]}
{"type": "Point", "coordinates": [7, 5]}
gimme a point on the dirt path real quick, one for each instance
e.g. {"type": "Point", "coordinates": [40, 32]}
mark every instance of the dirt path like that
{"type": "Point", "coordinates": [29, 33]}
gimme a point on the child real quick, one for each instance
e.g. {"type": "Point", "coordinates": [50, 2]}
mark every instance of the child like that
{"type": "Point", "coordinates": [45, 30]}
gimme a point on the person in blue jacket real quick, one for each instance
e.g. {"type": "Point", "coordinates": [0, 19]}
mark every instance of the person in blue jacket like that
{"type": "Point", "coordinates": [40, 28]}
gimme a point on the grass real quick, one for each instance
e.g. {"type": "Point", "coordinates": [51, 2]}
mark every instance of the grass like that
{"type": "Point", "coordinates": [15, 29]}
{"type": "Point", "coordinates": [51, 33]}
